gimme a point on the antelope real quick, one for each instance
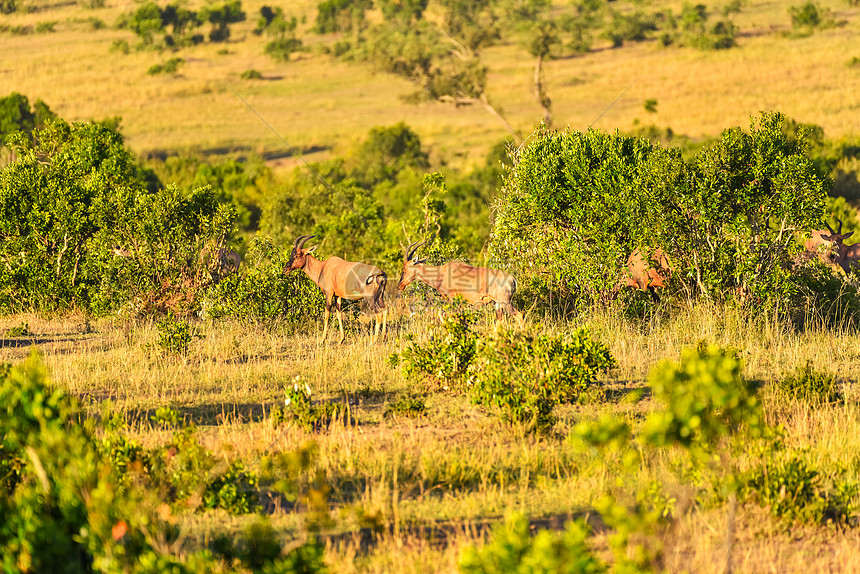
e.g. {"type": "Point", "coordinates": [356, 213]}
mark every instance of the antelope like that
{"type": "Point", "coordinates": [477, 285]}
{"type": "Point", "coordinates": [847, 256]}
{"type": "Point", "coordinates": [344, 280]}
{"type": "Point", "coordinates": [816, 240]}
{"type": "Point", "coordinates": [644, 274]}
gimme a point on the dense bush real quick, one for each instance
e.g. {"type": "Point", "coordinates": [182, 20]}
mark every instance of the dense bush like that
{"type": "Point", "coordinates": [261, 291]}
{"type": "Point", "coordinates": [79, 228]}
{"type": "Point", "coordinates": [706, 398]}
{"type": "Point", "coordinates": [445, 358]}
{"type": "Point", "coordinates": [72, 502]}
{"type": "Point", "coordinates": [513, 549]}
{"type": "Point", "coordinates": [523, 375]}
{"type": "Point", "coordinates": [796, 490]}
{"type": "Point", "coordinates": [811, 385]}
{"type": "Point", "coordinates": [527, 375]}
{"type": "Point", "coordinates": [576, 204]}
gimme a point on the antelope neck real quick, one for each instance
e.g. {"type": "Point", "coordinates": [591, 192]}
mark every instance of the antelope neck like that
{"type": "Point", "coordinates": [430, 275]}
{"type": "Point", "coordinates": [313, 268]}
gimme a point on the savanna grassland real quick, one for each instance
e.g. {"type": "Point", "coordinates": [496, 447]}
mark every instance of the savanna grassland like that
{"type": "Point", "coordinates": [159, 412]}
{"type": "Point", "coordinates": [317, 103]}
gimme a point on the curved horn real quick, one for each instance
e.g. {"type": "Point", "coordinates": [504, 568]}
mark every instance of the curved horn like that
{"type": "Point", "coordinates": [410, 251]}
{"type": "Point", "coordinates": [301, 240]}
{"type": "Point", "coordinates": [830, 229]}
{"type": "Point", "coordinates": [840, 224]}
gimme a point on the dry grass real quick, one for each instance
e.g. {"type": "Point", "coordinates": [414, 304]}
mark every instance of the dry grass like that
{"type": "Point", "coordinates": [438, 482]}
{"type": "Point", "coordinates": [321, 106]}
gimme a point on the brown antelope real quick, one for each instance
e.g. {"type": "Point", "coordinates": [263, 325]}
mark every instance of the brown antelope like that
{"type": "Point", "coordinates": [812, 246]}
{"type": "Point", "coordinates": [344, 280]}
{"type": "Point", "coordinates": [647, 274]}
{"type": "Point", "coordinates": [847, 256]}
{"type": "Point", "coordinates": [477, 285]}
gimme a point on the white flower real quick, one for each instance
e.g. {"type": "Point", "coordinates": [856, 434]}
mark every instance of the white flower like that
{"type": "Point", "coordinates": [307, 388]}
{"type": "Point", "coordinates": [287, 402]}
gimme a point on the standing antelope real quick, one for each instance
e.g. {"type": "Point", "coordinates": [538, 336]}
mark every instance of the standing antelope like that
{"type": "Point", "coordinates": [644, 274]}
{"type": "Point", "coordinates": [344, 280]}
{"type": "Point", "coordinates": [848, 255]}
{"type": "Point", "coordinates": [477, 285]}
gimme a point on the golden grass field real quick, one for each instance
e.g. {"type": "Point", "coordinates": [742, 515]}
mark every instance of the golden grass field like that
{"type": "Point", "coordinates": [234, 375]}
{"type": "Point", "coordinates": [315, 102]}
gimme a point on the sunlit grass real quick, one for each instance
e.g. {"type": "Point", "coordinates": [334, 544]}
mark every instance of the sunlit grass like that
{"type": "Point", "coordinates": [458, 469]}
{"type": "Point", "coordinates": [320, 105]}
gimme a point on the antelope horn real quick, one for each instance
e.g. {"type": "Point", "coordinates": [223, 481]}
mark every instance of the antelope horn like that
{"type": "Point", "coordinates": [410, 251]}
{"type": "Point", "coordinates": [301, 240]}
{"type": "Point", "coordinates": [830, 229]}
{"type": "Point", "coordinates": [840, 225]}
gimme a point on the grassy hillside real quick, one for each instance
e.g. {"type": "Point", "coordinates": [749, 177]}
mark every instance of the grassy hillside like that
{"type": "Point", "coordinates": [317, 103]}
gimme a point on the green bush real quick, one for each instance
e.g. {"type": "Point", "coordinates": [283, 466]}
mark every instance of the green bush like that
{"type": "Point", "coordinates": [793, 489]}
{"type": "Point", "coordinates": [174, 335]}
{"type": "Point", "coordinates": [811, 385]}
{"type": "Point", "coordinates": [579, 203]}
{"type": "Point", "coordinates": [251, 75]}
{"type": "Point", "coordinates": [406, 406]}
{"type": "Point", "coordinates": [82, 230]}
{"type": "Point", "coordinates": [446, 356]}
{"type": "Point", "coordinates": [22, 330]}
{"type": "Point", "coordinates": [527, 375]}
{"type": "Point", "coordinates": [261, 291]}
{"type": "Point", "coordinates": [301, 410]}
{"type": "Point", "coordinates": [171, 66]}
{"type": "Point", "coordinates": [706, 398]}
{"type": "Point", "coordinates": [513, 549]}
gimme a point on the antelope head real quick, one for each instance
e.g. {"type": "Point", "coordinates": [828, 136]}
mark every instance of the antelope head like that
{"type": "Point", "coordinates": [409, 273]}
{"type": "Point", "coordinates": [299, 255]}
{"type": "Point", "coordinates": [836, 236]}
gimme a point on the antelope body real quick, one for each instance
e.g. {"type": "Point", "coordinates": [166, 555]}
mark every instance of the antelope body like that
{"type": "Point", "coordinates": [343, 280]}
{"type": "Point", "coordinates": [647, 274]}
{"type": "Point", "coordinates": [477, 285]}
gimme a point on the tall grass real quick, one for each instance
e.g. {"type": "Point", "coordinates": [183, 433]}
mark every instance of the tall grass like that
{"type": "Point", "coordinates": [458, 469]}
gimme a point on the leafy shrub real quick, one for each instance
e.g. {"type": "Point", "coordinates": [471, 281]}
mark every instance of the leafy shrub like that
{"type": "Point", "coordinates": [280, 50]}
{"type": "Point", "coordinates": [706, 398]}
{"type": "Point", "coordinates": [46, 26]}
{"type": "Point", "coordinates": [234, 490]}
{"type": "Point", "coordinates": [793, 489]}
{"type": "Point", "coordinates": [299, 409]}
{"type": "Point", "coordinates": [168, 67]}
{"type": "Point", "coordinates": [61, 512]}
{"type": "Point", "coordinates": [261, 291]}
{"type": "Point", "coordinates": [22, 330]}
{"type": "Point", "coordinates": [8, 6]}
{"type": "Point", "coordinates": [448, 353]}
{"type": "Point", "coordinates": [165, 417]}
{"type": "Point", "coordinates": [805, 15]}
{"type": "Point", "coordinates": [174, 335]}
{"type": "Point", "coordinates": [406, 406]}
{"type": "Point", "coordinates": [574, 202]}
{"type": "Point", "coordinates": [120, 45]}
{"type": "Point", "coordinates": [811, 385]}
{"type": "Point", "coordinates": [75, 203]}
{"type": "Point", "coordinates": [513, 549]}
{"type": "Point", "coordinates": [251, 75]}
{"type": "Point", "coordinates": [528, 375]}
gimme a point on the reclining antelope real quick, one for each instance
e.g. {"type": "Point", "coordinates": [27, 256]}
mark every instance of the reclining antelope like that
{"type": "Point", "coordinates": [344, 280]}
{"type": "Point", "coordinates": [477, 285]}
{"type": "Point", "coordinates": [847, 256]}
{"type": "Point", "coordinates": [647, 274]}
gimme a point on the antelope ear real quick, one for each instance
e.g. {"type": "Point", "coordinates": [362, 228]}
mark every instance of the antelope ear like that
{"type": "Point", "coordinates": [417, 261]}
{"type": "Point", "coordinates": [312, 249]}
{"type": "Point", "coordinates": [847, 235]}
